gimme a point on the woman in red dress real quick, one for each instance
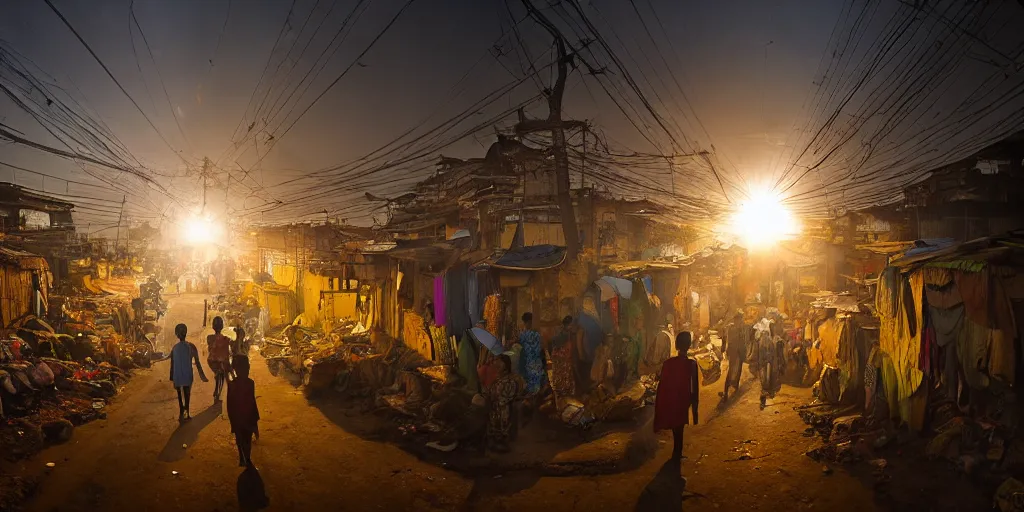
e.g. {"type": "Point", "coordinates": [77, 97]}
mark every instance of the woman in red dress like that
{"type": "Point", "coordinates": [678, 394]}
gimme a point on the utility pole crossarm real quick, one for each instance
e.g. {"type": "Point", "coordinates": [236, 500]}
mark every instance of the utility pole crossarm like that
{"type": "Point", "coordinates": [545, 125]}
{"type": "Point", "coordinates": [557, 127]}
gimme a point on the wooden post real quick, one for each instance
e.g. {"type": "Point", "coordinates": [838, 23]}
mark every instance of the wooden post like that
{"type": "Point", "coordinates": [117, 237]}
{"type": "Point", "coordinates": [572, 235]}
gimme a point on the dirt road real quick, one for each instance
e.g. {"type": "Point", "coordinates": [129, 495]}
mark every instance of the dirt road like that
{"type": "Point", "coordinates": [307, 461]}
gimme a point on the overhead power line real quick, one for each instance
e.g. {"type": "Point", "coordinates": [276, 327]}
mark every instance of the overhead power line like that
{"type": "Point", "coordinates": [112, 77]}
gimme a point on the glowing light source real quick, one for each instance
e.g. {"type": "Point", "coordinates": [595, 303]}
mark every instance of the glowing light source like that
{"type": "Point", "coordinates": [200, 230]}
{"type": "Point", "coordinates": [762, 220]}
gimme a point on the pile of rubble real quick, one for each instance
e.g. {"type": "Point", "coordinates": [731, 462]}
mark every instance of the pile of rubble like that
{"type": "Point", "coordinates": [43, 398]}
{"type": "Point", "coordinates": [980, 449]}
{"type": "Point", "coordinates": [108, 328]}
{"type": "Point", "coordinates": [52, 380]}
{"type": "Point", "coordinates": [321, 360]}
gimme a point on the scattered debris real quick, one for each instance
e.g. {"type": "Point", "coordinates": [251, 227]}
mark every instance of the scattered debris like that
{"type": "Point", "coordinates": [747, 456]}
{"type": "Point", "coordinates": [1007, 496]}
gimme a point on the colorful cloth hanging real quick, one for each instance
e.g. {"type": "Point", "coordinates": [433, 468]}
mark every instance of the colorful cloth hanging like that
{"type": "Point", "coordinates": [440, 308]}
{"type": "Point", "coordinates": [946, 323]}
{"type": "Point", "coordinates": [492, 314]}
{"type": "Point", "coordinates": [900, 331]}
{"type": "Point", "coordinates": [444, 347]}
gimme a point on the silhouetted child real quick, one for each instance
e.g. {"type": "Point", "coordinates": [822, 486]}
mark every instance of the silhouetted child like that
{"type": "Point", "coordinates": [678, 393]}
{"type": "Point", "coordinates": [242, 411]}
{"type": "Point", "coordinates": [183, 354]}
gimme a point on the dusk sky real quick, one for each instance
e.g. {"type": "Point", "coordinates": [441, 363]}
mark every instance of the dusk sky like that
{"type": "Point", "coordinates": [748, 68]}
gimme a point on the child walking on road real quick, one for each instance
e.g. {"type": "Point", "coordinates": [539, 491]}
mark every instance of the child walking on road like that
{"type": "Point", "coordinates": [242, 411]}
{"type": "Point", "coordinates": [219, 356]}
{"type": "Point", "coordinates": [678, 393]}
{"type": "Point", "coordinates": [182, 355]}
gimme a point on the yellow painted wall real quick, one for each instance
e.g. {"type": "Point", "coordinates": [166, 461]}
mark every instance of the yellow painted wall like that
{"type": "Point", "coordinates": [280, 308]}
{"type": "Point", "coordinates": [309, 296]}
{"type": "Point", "coordinates": [285, 275]}
{"type": "Point", "coordinates": [335, 306]}
{"type": "Point", "coordinates": [340, 306]}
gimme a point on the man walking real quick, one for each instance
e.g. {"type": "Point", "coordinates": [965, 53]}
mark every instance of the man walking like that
{"type": "Point", "coordinates": [736, 339]}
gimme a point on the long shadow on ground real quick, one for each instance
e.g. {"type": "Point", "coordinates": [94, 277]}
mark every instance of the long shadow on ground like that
{"type": "Point", "coordinates": [252, 494]}
{"type": "Point", "coordinates": [665, 490]}
{"type": "Point", "coordinates": [187, 433]}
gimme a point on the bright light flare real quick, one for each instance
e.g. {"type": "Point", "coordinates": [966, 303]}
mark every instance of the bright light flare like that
{"type": "Point", "coordinates": [762, 220]}
{"type": "Point", "coordinates": [200, 230]}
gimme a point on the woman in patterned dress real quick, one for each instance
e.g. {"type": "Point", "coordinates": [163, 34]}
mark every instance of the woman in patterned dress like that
{"type": "Point", "coordinates": [502, 393]}
{"type": "Point", "coordinates": [532, 364]}
{"type": "Point", "coordinates": [532, 360]}
{"type": "Point", "coordinates": [563, 361]}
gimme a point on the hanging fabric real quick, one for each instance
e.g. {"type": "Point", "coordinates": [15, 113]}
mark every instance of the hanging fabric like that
{"type": "Point", "coordinates": [473, 297]}
{"type": "Point", "coordinates": [848, 359]}
{"type": "Point", "coordinates": [1002, 356]}
{"type": "Point", "coordinates": [890, 383]}
{"type": "Point", "coordinates": [900, 334]}
{"type": "Point", "coordinates": [928, 344]}
{"type": "Point", "coordinates": [937, 276]}
{"type": "Point", "coordinates": [986, 300]}
{"type": "Point", "coordinates": [444, 350]}
{"type": "Point", "coordinates": [455, 293]}
{"type": "Point", "coordinates": [440, 308]}
{"type": "Point", "coordinates": [972, 349]}
{"type": "Point", "coordinates": [493, 314]}
{"type": "Point", "coordinates": [974, 288]}
{"type": "Point", "coordinates": [946, 323]}
{"type": "Point", "coordinates": [829, 333]}
{"type": "Point", "coordinates": [943, 297]}
{"type": "Point", "coordinates": [887, 292]}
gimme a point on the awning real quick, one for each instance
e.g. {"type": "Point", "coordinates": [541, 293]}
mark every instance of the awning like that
{"type": "Point", "coordinates": [970, 256]}
{"type": "Point", "coordinates": [24, 260]}
{"type": "Point", "coordinates": [838, 301]}
{"type": "Point", "coordinates": [908, 247]}
{"type": "Point", "coordinates": [534, 257]}
{"type": "Point", "coordinates": [612, 286]}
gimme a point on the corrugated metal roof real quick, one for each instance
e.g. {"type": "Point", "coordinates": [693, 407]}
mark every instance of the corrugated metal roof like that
{"type": "Point", "coordinates": [1005, 249]}
{"type": "Point", "coordinates": [25, 260]}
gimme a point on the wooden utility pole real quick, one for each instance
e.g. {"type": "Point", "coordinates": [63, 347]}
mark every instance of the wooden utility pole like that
{"type": "Point", "coordinates": [205, 172]}
{"type": "Point", "coordinates": [583, 163]}
{"type": "Point", "coordinates": [556, 126]}
{"type": "Point", "coordinates": [117, 237]}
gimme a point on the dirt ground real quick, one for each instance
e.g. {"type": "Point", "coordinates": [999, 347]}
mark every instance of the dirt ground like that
{"type": "Point", "coordinates": [317, 457]}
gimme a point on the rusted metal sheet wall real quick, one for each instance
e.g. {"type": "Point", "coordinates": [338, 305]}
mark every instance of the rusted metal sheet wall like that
{"type": "Point", "coordinates": [16, 292]}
